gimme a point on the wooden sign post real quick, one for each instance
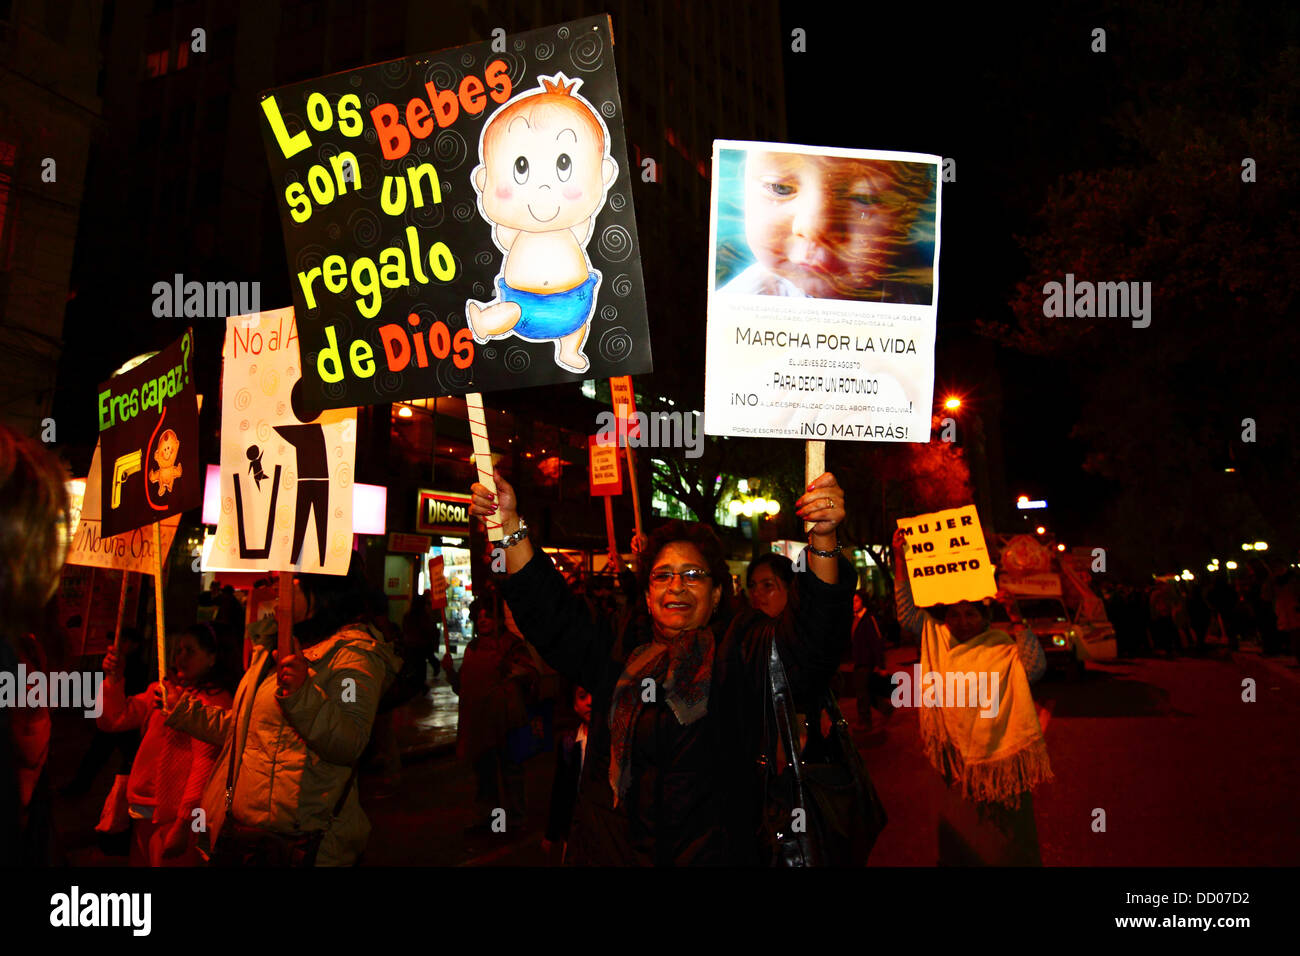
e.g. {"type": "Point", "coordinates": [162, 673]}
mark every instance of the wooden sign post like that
{"type": "Point", "coordinates": [482, 456]}
{"type": "Point", "coordinates": [85, 614]}
{"type": "Point", "coordinates": [814, 466]}
{"type": "Point", "coordinates": [284, 616]}
{"type": "Point", "coordinates": [609, 525]}
{"type": "Point", "coordinates": [121, 612]}
{"type": "Point", "coordinates": [159, 617]}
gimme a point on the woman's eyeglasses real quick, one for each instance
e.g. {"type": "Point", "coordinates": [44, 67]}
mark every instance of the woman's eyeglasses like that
{"type": "Point", "coordinates": [690, 577]}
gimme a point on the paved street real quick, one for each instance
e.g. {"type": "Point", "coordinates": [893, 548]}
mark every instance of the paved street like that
{"type": "Point", "coordinates": [1187, 773]}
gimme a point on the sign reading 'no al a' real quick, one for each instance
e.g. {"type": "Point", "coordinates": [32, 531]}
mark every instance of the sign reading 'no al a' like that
{"type": "Point", "coordinates": [286, 471]}
{"type": "Point", "coordinates": [947, 560]}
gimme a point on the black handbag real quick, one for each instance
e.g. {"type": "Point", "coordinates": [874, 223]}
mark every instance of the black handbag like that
{"type": "Point", "coordinates": [842, 815]}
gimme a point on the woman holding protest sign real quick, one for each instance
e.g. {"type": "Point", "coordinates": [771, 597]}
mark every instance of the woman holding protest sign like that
{"type": "Point", "coordinates": [283, 789]}
{"type": "Point", "coordinates": [990, 752]}
{"type": "Point", "coordinates": [676, 768]}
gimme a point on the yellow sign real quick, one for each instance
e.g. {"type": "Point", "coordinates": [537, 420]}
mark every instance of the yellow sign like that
{"type": "Point", "coordinates": [947, 560]}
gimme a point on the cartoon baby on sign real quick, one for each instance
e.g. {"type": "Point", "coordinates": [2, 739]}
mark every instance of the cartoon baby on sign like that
{"type": "Point", "coordinates": [545, 167]}
{"type": "Point", "coordinates": [169, 469]}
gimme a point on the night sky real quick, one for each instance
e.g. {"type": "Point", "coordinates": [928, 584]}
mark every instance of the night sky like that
{"type": "Point", "coordinates": [1016, 102]}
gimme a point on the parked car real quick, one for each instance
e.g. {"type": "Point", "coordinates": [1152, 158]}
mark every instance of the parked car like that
{"type": "Point", "coordinates": [1050, 622]}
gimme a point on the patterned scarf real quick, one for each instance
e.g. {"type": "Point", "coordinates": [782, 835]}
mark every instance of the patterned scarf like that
{"type": "Point", "coordinates": [682, 670]}
{"type": "Point", "coordinates": [992, 759]}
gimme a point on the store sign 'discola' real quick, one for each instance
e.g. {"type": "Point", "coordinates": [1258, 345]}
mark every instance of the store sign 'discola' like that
{"type": "Point", "coordinates": [443, 512]}
{"type": "Point", "coordinates": [461, 221]}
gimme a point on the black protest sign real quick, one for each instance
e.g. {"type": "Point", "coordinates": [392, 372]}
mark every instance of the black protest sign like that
{"type": "Point", "coordinates": [149, 440]}
{"type": "Point", "coordinates": [461, 221]}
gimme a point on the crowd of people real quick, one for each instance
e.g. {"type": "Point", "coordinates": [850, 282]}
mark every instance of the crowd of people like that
{"type": "Point", "coordinates": [665, 753]}
{"type": "Point", "coordinates": [1259, 603]}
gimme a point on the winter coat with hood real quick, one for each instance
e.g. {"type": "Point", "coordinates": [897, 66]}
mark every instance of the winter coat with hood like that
{"type": "Point", "coordinates": [294, 754]}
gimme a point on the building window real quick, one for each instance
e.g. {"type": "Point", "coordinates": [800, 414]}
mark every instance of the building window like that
{"type": "Point", "coordinates": [156, 64]}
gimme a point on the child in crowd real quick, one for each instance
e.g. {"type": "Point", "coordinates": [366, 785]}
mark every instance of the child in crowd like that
{"type": "Point", "coordinates": [833, 227]}
{"type": "Point", "coordinates": [171, 767]}
{"type": "Point", "coordinates": [570, 753]}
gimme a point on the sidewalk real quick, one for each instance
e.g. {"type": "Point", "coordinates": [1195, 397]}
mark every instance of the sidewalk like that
{"type": "Point", "coordinates": [426, 726]}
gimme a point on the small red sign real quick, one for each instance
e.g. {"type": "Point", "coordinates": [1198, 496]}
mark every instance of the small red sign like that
{"type": "Point", "coordinates": [437, 584]}
{"type": "Point", "coordinates": [606, 478]}
{"type": "Point", "coordinates": [624, 402]}
{"type": "Point", "coordinates": [399, 542]}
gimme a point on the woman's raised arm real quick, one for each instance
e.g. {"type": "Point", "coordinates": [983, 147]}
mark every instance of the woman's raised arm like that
{"type": "Point", "coordinates": [910, 617]}
{"type": "Point", "coordinates": [561, 626]}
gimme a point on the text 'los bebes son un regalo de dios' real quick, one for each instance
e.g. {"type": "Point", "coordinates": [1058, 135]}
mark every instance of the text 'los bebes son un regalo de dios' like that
{"type": "Point", "coordinates": [395, 266]}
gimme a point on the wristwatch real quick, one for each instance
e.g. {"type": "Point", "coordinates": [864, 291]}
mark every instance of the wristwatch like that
{"type": "Point", "coordinates": [510, 540]}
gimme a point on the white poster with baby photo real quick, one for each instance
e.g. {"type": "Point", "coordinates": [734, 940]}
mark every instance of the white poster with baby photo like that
{"type": "Point", "coordinates": [286, 472]}
{"type": "Point", "coordinates": [823, 292]}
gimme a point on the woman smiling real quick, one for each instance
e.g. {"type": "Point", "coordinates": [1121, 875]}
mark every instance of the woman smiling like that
{"type": "Point", "coordinates": [675, 772]}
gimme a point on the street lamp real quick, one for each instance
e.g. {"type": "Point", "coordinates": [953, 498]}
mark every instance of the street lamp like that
{"type": "Point", "coordinates": [1040, 530]}
{"type": "Point", "coordinates": [952, 403]}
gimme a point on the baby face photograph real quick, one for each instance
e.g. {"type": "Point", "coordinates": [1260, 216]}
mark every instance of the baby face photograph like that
{"type": "Point", "coordinates": [825, 226]}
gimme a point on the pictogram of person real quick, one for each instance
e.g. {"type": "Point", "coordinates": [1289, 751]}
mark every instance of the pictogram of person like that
{"type": "Point", "coordinates": [313, 485]}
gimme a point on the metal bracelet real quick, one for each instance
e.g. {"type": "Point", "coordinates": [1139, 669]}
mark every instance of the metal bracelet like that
{"type": "Point", "coordinates": [510, 540]}
{"type": "Point", "coordinates": [839, 546]}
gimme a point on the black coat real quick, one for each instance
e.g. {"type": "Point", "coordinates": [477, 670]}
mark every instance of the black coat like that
{"type": "Point", "coordinates": [696, 795]}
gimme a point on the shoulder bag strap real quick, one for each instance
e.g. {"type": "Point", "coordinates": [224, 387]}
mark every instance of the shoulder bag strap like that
{"type": "Point", "coordinates": [235, 757]}
{"type": "Point", "coordinates": [779, 687]}
{"type": "Point", "coordinates": [347, 788]}
{"type": "Point", "coordinates": [230, 770]}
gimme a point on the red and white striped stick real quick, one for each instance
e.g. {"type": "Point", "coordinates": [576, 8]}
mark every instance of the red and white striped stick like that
{"type": "Point", "coordinates": [482, 456]}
